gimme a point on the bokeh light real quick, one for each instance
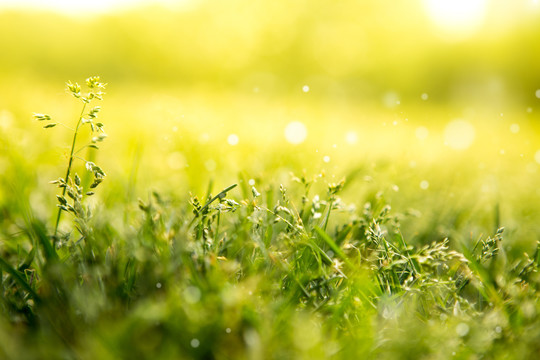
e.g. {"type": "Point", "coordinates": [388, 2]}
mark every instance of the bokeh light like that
{"type": "Point", "coordinates": [296, 132]}
{"type": "Point", "coordinates": [459, 134]}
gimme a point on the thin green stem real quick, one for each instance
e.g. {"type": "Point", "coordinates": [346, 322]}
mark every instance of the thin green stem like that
{"type": "Point", "coordinates": [68, 171]}
{"type": "Point", "coordinates": [324, 222]}
{"type": "Point", "coordinates": [221, 195]}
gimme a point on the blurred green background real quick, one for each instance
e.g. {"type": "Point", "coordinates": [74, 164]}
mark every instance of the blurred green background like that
{"type": "Point", "coordinates": [432, 103]}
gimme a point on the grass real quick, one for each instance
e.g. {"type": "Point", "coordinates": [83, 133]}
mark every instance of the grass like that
{"type": "Point", "coordinates": [308, 267]}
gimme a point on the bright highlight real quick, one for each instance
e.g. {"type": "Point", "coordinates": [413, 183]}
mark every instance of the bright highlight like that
{"type": "Point", "coordinates": [456, 18]}
{"type": "Point", "coordinates": [295, 132]}
{"type": "Point", "coordinates": [459, 134]}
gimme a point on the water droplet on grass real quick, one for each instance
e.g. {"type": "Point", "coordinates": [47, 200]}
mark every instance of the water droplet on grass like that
{"type": "Point", "coordinates": [195, 343]}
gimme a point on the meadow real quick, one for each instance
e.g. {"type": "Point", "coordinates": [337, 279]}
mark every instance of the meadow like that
{"type": "Point", "coordinates": [270, 181]}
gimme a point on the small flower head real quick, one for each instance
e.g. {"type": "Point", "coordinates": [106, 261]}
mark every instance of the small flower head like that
{"type": "Point", "coordinates": [93, 82]}
{"type": "Point", "coordinates": [74, 88]}
{"type": "Point", "coordinates": [41, 117]}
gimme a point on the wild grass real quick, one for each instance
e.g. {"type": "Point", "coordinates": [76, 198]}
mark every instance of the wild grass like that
{"type": "Point", "coordinates": [260, 270]}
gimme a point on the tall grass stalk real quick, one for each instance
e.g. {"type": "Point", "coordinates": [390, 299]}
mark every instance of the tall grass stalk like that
{"type": "Point", "coordinates": [70, 162]}
{"type": "Point", "coordinates": [72, 185]}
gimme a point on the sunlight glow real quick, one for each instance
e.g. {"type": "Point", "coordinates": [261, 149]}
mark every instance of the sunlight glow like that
{"type": "Point", "coordinates": [537, 156]}
{"type": "Point", "coordinates": [456, 18]}
{"type": "Point", "coordinates": [459, 134]}
{"type": "Point", "coordinates": [85, 6]}
{"type": "Point", "coordinates": [295, 132]}
{"type": "Point", "coordinates": [422, 133]}
{"type": "Point", "coordinates": [351, 137]}
{"type": "Point", "coordinates": [233, 139]}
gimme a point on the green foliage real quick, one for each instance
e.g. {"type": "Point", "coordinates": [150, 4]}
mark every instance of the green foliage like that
{"type": "Point", "coordinates": [72, 185]}
{"type": "Point", "coordinates": [281, 271]}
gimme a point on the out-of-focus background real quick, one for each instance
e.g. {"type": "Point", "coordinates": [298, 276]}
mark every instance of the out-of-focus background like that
{"type": "Point", "coordinates": [433, 105]}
